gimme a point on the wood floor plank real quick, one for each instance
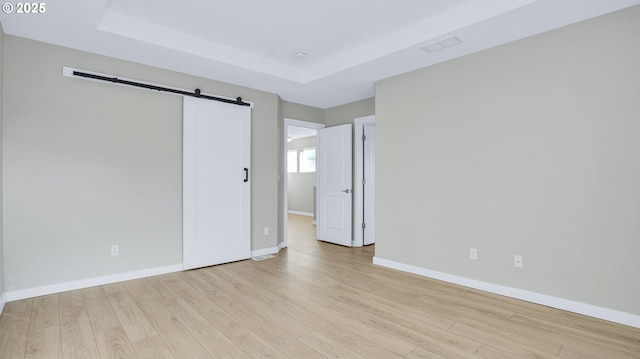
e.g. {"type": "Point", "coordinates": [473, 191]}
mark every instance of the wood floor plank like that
{"type": "Point", "coordinates": [131, 317]}
{"type": "Point", "coordinates": [111, 338]}
{"type": "Point", "coordinates": [418, 285]}
{"type": "Point", "coordinates": [423, 353]}
{"type": "Point", "coordinates": [467, 308]}
{"type": "Point", "coordinates": [173, 333]}
{"type": "Point", "coordinates": [184, 284]}
{"type": "Point", "coordinates": [14, 328]}
{"type": "Point", "coordinates": [568, 352]}
{"type": "Point", "coordinates": [514, 349]}
{"type": "Point", "coordinates": [409, 295]}
{"type": "Point", "coordinates": [152, 348]}
{"type": "Point", "coordinates": [513, 332]}
{"type": "Point", "coordinates": [358, 325]}
{"type": "Point", "coordinates": [259, 324]}
{"type": "Point", "coordinates": [489, 352]}
{"type": "Point", "coordinates": [262, 273]}
{"type": "Point", "coordinates": [77, 336]}
{"type": "Point", "coordinates": [513, 305]}
{"type": "Point", "coordinates": [577, 338]}
{"type": "Point", "coordinates": [249, 295]}
{"type": "Point", "coordinates": [114, 343]}
{"type": "Point", "coordinates": [248, 287]}
{"type": "Point", "coordinates": [421, 336]}
{"type": "Point", "coordinates": [208, 335]}
{"type": "Point", "coordinates": [256, 347]}
{"type": "Point", "coordinates": [99, 308]}
{"type": "Point", "coordinates": [301, 286]}
{"type": "Point", "coordinates": [617, 334]}
{"type": "Point", "coordinates": [391, 310]}
{"type": "Point", "coordinates": [329, 347]}
{"type": "Point", "coordinates": [44, 329]}
{"type": "Point", "coordinates": [324, 321]}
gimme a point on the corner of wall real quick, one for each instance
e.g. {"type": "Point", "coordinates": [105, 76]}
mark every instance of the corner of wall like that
{"type": "Point", "coordinates": [344, 114]}
{"type": "Point", "coordinates": [3, 297]}
{"type": "Point", "coordinates": [281, 236]}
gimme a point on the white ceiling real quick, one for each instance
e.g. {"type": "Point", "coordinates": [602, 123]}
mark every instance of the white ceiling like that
{"type": "Point", "coordinates": [300, 132]}
{"type": "Point", "coordinates": [350, 43]}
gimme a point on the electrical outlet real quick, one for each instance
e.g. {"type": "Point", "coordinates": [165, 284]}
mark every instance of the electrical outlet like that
{"type": "Point", "coordinates": [115, 250]}
{"type": "Point", "coordinates": [517, 261]}
{"type": "Point", "coordinates": [266, 231]}
{"type": "Point", "coordinates": [473, 254]}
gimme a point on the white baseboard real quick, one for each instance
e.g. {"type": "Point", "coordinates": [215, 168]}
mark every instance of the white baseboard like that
{"type": "Point", "coordinates": [301, 213]}
{"type": "Point", "coordinates": [3, 301]}
{"type": "Point", "coordinates": [281, 245]}
{"type": "Point", "coordinates": [90, 282]}
{"type": "Point", "coordinates": [543, 299]}
{"type": "Point", "coordinates": [264, 252]}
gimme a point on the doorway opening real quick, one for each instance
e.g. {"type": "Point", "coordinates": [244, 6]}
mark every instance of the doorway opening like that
{"type": "Point", "coordinates": [300, 136]}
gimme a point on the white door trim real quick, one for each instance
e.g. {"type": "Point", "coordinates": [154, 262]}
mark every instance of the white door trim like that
{"type": "Point", "coordinates": [358, 174]}
{"type": "Point", "coordinates": [296, 123]}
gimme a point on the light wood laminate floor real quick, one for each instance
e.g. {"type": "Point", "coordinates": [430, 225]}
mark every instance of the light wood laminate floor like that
{"type": "Point", "coordinates": [313, 300]}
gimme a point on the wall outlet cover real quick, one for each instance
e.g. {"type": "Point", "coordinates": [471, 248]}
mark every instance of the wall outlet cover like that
{"type": "Point", "coordinates": [517, 261]}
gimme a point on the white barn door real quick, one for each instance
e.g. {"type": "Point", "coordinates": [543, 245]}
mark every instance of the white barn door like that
{"type": "Point", "coordinates": [216, 187]}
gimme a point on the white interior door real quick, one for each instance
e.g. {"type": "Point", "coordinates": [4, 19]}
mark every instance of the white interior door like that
{"type": "Point", "coordinates": [334, 177]}
{"type": "Point", "coordinates": [369, 186]}
{"type": "Point", "coordinates": [216, 187]}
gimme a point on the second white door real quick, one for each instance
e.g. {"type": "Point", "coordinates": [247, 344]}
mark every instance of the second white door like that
{"type": "Point", "coordinates": [334, 179]}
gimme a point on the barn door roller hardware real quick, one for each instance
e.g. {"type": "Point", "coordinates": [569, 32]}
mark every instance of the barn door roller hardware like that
{"type": "Point", "coordinates": [70, 72]}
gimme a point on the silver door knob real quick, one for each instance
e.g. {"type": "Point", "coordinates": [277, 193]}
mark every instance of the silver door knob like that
{"type": "Point", "coordinates": [346, 190]}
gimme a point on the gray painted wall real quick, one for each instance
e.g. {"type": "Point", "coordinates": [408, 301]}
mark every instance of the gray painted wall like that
{"type": "Point", "coordinates": [300, 112]}
{"type": "Point", "coordinates": [89, 164]}
{"type": "Point", "coordinates": [344, 114]}
{"type": "Point", "coordinates": [530, 148]}
{"type": "Point", "coordinates": [300, 185]}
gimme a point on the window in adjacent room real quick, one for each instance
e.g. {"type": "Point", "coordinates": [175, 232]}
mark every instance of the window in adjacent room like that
{"type": "Point", "coordinates": [292, 161]}
{"type": "Point", "coordinates": [308, 160]}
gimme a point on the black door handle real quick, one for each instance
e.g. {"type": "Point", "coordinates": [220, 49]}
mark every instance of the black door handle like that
{"type": "Point", "coordinates": [246, 174]}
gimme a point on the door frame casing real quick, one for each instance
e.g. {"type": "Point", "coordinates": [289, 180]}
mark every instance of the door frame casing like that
{"type": "Point", "coordinates": [358, 174]}
{"type": "Point", "coordinates": [285, 175]}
